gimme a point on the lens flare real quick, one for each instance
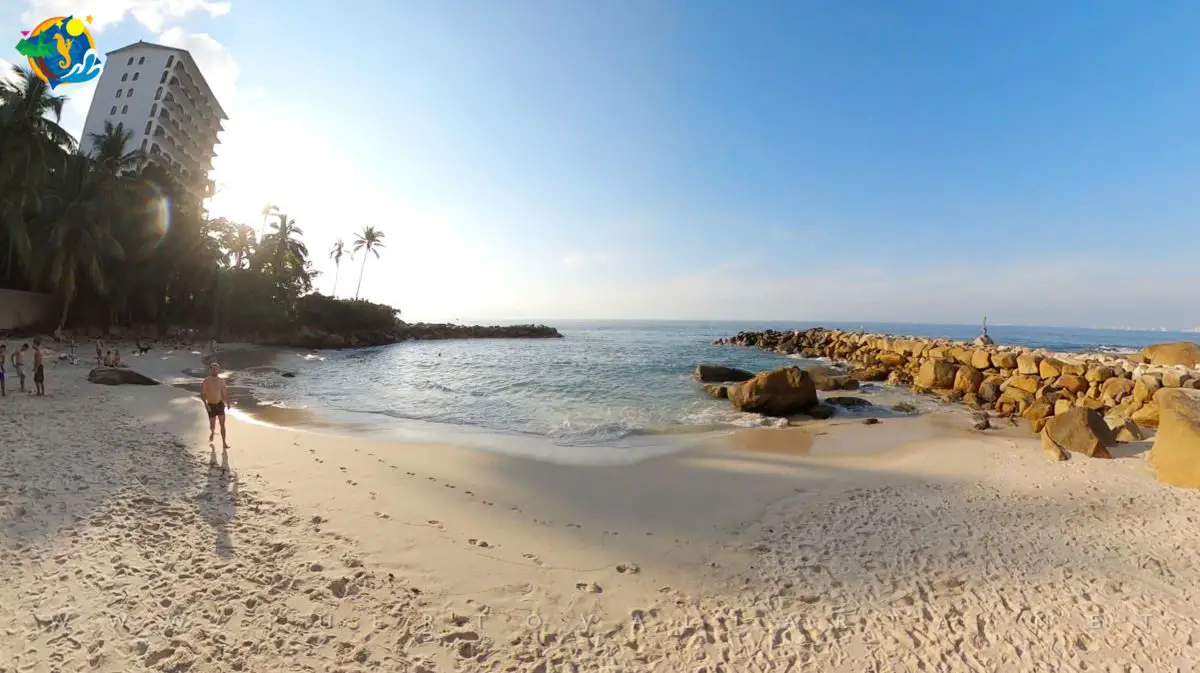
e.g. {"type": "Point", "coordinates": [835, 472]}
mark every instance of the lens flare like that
{"type": "Point", "coordinates": [158, 213]}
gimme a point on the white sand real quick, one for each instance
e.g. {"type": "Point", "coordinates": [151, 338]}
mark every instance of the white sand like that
{"type": "Point", "coordinates": [941, 551]}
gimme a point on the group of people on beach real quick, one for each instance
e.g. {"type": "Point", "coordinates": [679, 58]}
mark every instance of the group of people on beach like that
{"type": "Point", "coordinates": [18, 360]}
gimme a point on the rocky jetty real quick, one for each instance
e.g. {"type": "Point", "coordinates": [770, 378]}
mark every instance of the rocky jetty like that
{"type": "Point", "coordinates": [1123, 392]}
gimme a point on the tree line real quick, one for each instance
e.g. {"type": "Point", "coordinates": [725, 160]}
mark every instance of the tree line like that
{"type": "Point", "coordinates": [122, 240]}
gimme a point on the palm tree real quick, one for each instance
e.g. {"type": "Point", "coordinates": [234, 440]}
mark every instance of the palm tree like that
{"type": "Point", "coordinates": [285, 253]}
{"type": "Point", "coordinates": [268, 211]}
{"type": "Point", "coordinates": [80, 239]}
{"type": "Point", "coordinates": [108, 150]}
{"type": "Point", "coordinates": [370, 240]}
{"type": "Point", "coordinates": [336, 253]}
{"type": "Point", "coordinates": [239, 242]}
{"type": "Point", "coordinates": [32, 144]}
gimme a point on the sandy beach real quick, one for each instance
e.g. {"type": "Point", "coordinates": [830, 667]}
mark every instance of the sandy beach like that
{"type": "Point", "coordinates": [913, 544]}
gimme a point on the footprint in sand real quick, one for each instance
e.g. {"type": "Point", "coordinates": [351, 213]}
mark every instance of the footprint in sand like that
{"type": "Point", "coordinates": [590, 587]}
{"type": "Point", "coordinates": [478, 543]}
{"type": "Point", "coordinates": [342, 469]}
{"type": "Point", "coordinates": [533, 557]}
{"type": "Point", "coordinates": [628, 569]}
{"type": "Point", "coordinates": [610, 532]}
{"type": "Point", "coordinates": [449, 485]}
{"type": "Point", "coordinates": [435, 523]}
{"type": "Point", "coordinates": [383, 515]}
{"type": "Point", "coordinates": [352, 482]}
{"type": "Point", "coordinates": [431, 479]}
{"type": "Point", "coordinates": [574, 525]}
{"type": "Point", "coordinates": [373, 495]}
{"type": "Point", "coordinates": [409, 474]}
{"type": "Point", "coordinates": [488, 503]}
{"type": "Point", "coordinates": [468, 492]}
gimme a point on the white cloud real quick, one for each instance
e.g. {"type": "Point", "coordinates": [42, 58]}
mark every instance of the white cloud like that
{"type": "Point", "coordinates": [217, 64]}
{"type": "Point", "coordinates": [153, 14]}
{"type": "Point", "coordinates": [6, 71]}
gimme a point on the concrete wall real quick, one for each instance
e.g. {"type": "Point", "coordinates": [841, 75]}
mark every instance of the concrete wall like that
{"type": "Point", "coordinates": [18, 309]}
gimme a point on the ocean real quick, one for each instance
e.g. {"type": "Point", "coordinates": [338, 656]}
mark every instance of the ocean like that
{"type": "Point", "coordinates": [606, 392]}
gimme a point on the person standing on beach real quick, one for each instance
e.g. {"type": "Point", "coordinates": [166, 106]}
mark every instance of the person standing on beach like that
{"type": "Point", "coordinates": [99, 352]}
{"type": "Point", "coordinates": [3, 360]}
{"type": "Point", "coordinates": [18, 361]}
{"type": "Point", "coordinates": [215, 395]}
{"type": "Point", "coordinates": [39, 368]}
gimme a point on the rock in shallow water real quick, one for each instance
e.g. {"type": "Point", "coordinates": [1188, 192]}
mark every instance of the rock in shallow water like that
{"type": "Point", "coordinates": [720, 374]}
{"type": "Point", "coordinates": [781, 392]}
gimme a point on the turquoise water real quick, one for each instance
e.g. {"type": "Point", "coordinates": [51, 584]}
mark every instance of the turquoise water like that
{"type": "Point", "coordinates": [604, 386]}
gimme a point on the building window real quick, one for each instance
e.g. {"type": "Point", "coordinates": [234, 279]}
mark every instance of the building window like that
{"type": "Point", "coordinates": [154, 148]}
{"type": "Point", "coordinates": [129, 93]}
{"type": "Point", "coordinates": [148, 125]}
{"type": "Point", "coordinates": [164, 78]}
{"type": "Point", "coordinates": [135, 76]}
{"type": "Point", "coordinates": [124, 109]}
{"type": "Point", "coordinates": [158, 94]}
{"type": "Point", "coordinates": [119, 92]}
{"type": "Point", "coordinates": [130, 61]}
{"type": "Point", "coordinates": [124, 77]}
{"type": "Point", "coordinates": [141, 60]}
{"type": "Point", "coordinates": [170, 60]}
{"type": "Point", "coordinates": [144, 143]}
{"type": "Point", "coordinates": [153, 109]}
{"type": "Point", "coordinates": [113, 111]}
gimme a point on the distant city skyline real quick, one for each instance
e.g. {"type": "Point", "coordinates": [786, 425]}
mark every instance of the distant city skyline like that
{"type": "Point", "coordinates": [921, 161]}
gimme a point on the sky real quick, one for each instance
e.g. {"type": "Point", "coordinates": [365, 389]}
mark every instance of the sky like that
{"type": "Point", "coordinates": [871, 160]}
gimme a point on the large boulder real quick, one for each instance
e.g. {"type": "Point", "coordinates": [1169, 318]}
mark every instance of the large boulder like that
{"type": "Point", "coordinates": [1081, 430]}
{"type": "Point", "coordinates": [1114, 390]}
{"type": "Point", "coordinates": [1186, 353]}
{"type": "Point", "coordinates": [1026, 382]}
{"type": "Point", "coordinates": [1149, 414]}
{"type": "Point", "coordinates": [1027, 363]}
{"type": "Point", "coordinates": [1175, 455]}
{"type": "Point", "coordinates": [1144, 388]}
{"type": "Point", "coordinates": [1004, 360]}
{"type": "Point", "coordinates": [780, 392]}
{"type": "Point", "coordinates": [719, 374]}
{"type": "Point", "coordinates": [981, 359]}
{"type": "Point", "coordinates": [115, 376]}
{"type": "Point", "coordinates": [967, 379]}
{"type": "Point", "coordinates": [826, 378]}
{"type": "Point", "coordinates": [937, 374]}
{"type": "Point", "coordinates": [1072, 382]}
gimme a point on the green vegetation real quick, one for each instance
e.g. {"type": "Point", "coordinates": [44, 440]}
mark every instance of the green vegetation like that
{"type": "Point", "coordinates": [124, 240]}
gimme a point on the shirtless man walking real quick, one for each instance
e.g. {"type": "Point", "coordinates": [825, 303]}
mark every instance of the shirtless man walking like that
{"type": "Point", "coordinates": [18, 360]}
{"type": "Point", "coordinates": [39, 368]}
{"type": "Point", "coordinates": [215, 395]}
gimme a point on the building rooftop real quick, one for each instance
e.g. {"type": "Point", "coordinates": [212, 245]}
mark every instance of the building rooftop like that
{"type": "Point", "coordinates": [183, 53]}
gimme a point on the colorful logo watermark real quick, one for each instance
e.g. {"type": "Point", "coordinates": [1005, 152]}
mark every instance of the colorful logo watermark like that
{"type": "Point", "coordinates": [61, 51]}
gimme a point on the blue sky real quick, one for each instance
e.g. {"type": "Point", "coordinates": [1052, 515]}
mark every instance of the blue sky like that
{"type": "Point", "coordinates": [916, 161]}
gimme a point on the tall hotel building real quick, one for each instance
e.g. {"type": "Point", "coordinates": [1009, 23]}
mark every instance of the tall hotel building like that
{"type": "Point", "coordinates": [160, 95]}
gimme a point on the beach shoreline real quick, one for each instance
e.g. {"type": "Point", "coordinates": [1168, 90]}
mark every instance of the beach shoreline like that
{"type": "Point", "coordinates": [340, 550]}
